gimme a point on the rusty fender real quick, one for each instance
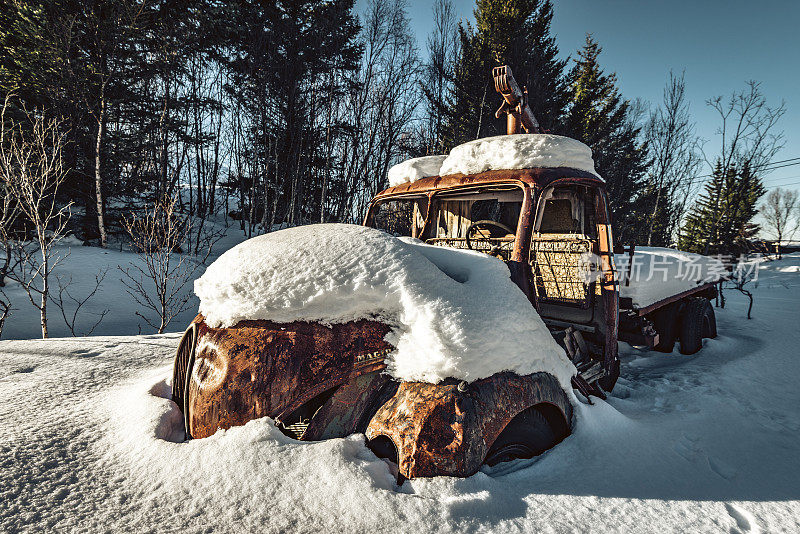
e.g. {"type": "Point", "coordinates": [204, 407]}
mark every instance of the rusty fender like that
{"type": "Point", "coordinates": [260, 368]}
{"type": "Point", "coordinates": [447, 428]}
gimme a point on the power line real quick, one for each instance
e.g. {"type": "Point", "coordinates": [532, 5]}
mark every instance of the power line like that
{"type": "Point", "coordinates": [768, 167]}
{"type": "Point", "coordinates": [781, 185]}
{"type": "Point", "coordinates": [786, 178]}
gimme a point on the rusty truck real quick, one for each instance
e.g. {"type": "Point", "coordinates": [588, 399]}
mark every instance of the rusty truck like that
{"type": "Point", "coordinates": [324, 381]}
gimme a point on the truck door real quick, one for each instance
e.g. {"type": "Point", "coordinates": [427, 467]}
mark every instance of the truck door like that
{"type": "Point", "coordinates": [564, 238]}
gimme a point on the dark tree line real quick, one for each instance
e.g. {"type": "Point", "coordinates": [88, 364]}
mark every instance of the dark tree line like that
{"type": "Point", "coordinates": [573, 97]}
{"type": "Point", "coordinates": [288, 112]}
{"type": "Point", "coordinates": [284, 112]}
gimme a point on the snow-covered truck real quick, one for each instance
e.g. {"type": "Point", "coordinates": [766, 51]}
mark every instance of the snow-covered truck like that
{"type": "Point", "coordinates": [535, 201]}
{"type": "Point", "coordinates": [332, 331]}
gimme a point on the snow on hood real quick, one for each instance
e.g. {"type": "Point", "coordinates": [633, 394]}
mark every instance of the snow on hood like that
{"type": "Point", "coordinates": [518, 151]}
{"type": "Point", "coordinates": [659, 273]}
{"type": "Point", "coordinates": [414, 169]}
{"type": "Point", "coordinates": [454, 313]}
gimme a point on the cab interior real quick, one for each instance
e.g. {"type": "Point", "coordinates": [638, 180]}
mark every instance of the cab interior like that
{"type": "Point", "coordinates": [564, 237]}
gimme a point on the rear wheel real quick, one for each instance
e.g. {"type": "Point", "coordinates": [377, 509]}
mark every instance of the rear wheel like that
{"type": "Point", "coordinates": [665, 321]}
{"type": "Point", "coordinates": [527, 435]}
{"type": "Point", "coordinates": [698, 322]}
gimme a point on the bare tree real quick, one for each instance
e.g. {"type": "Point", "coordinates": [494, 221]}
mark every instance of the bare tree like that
{"type": "Point", "coordinates": [9, 208]}
{"type": "Point", "coordinates": [671, 138]}
{"type": "Point", "coordinates": [64, 299]}
{"type": "Point", "coordinates": [158, 281]}
{"type": "Point", "coordinates": [780, 215]}
{"type": "Point", "coordinates": [111, 25]}
{"type": "Point", "coordinates": [32, 166]}
{"type": "Point", "coordinates": [443, 48]}
{"type": "Point", "coordinates": [382, 108]}
{"type": "Point", "coordinates": [745, 272]}
{"type": "Point", "coordinates": [747, 129]}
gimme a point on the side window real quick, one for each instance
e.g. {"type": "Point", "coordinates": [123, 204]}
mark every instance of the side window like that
{"type": "Point", "coordinates": [558, 217]}
{"type": "Point", "coordinates": [398, 217]}
{"type": "Point", "coordinates": [569, 210]}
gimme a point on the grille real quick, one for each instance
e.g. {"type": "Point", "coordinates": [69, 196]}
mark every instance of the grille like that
{"type": "Point", "coordinates": [182, 364]}
{"type": "Point", "coordinates": [296, 430]}
{"type": "Point", "coordinates": [561, 273]}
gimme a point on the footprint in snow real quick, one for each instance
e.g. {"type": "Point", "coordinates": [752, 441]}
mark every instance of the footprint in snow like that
{"type": "Point", "coordinates": [688, 448]}
{"type": "Point", "coordinates": [721, 468]}
{"type": "Point", "coordinates": [745, 522]}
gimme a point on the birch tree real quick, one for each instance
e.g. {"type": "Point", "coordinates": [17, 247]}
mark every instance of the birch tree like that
{"type": "Point", "coordinates": [31, 163]}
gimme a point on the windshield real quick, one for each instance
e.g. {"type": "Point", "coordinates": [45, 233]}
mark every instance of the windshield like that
{"type": "Point", "coordinates": [484, 220]}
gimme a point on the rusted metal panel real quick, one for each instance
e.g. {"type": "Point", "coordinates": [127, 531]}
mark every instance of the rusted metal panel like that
{"type": "Point", "coordinates": [711, 286]}
{"type": "Point", "coordinates": [444, 429]}
{"type": "Point", "coordinates": [539, 178]}
{"type": "Point", "coordinates": [349, 409]}
{"type": "Point", "coordinates": [260, 368]}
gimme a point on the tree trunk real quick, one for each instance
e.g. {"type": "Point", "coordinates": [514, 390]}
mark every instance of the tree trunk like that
{"type": "Point", "coordinates": [45, 291]}
{"type": "Point", "coordinates": [653, 219]}
{"type": "Point", "coordinates": [98, 179]}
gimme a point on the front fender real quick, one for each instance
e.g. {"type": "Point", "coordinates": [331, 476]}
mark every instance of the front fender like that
{"type": "Point", "coordinates": [447, 429]}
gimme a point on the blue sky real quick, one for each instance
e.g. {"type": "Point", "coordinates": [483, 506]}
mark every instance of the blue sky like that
{"type": "Point", "coordinates": [719, 45]}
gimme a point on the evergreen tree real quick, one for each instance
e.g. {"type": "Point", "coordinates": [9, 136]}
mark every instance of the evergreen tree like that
{"type": "Point", "coordinates": [720, 222]}
{"type": "Point", "coordinates": [598, 116]}
{"type": "Point", "coordinates": [512, 32]}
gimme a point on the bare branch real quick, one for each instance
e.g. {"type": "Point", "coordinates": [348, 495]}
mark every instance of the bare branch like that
{"type": "Point", "coordinates": [77, 303]}
{"type": "Point", "coordinates": [32, 172]}
{"type": "Point", "coordinates": [158, 282]}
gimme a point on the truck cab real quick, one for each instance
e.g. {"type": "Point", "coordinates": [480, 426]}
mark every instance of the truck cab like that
{"type": "Point", "coordinates": [551, 226]}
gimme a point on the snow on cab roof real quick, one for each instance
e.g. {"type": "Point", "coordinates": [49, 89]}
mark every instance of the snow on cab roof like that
{"type": "Point", "coordinates": [412, 170]}
{"type": "Point", "coordinates": [453, 313]}
{"type": "Point", "coordinates": [502, 152]}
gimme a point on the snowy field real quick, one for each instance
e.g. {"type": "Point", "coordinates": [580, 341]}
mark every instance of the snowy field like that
{"type": "Point", "coordinates": [82, 264]}
{"type": "Point", "coordinates": [703, 443]}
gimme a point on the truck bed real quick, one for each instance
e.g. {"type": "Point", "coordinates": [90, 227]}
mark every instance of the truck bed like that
{"type": "Point", "coordinates": [652, 277]}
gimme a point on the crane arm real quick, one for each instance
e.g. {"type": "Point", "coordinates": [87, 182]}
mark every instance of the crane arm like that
{"type": "Point", "coordinates": [515, 102]}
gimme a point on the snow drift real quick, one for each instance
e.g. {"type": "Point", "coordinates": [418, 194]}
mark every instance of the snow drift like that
{"type": "Point", "coordinates": [454, 313]}
{"type": "Point", "coordinates": [707, 443]}
{"type": "Point", "coordinates": [518, 151]}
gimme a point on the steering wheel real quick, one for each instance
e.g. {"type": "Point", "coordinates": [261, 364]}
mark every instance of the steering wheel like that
{"type": "Point", "coordinates": [477, 224]}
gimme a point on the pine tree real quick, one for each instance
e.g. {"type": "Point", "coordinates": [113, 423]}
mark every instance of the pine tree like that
{"type": "Point", "coordinates": [598, 116]}
{"type": "Point", "coordinates": [720, 222]}
{"type": "Point", "coordinates": [698, 233]}
{"type": "Point", "coordinates": [516, 33]}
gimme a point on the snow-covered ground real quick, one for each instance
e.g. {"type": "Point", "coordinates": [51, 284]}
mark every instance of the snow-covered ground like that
{"type": "Point", "coordinates": [703, 443]}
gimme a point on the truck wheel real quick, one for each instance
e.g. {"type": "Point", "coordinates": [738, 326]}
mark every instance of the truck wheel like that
{"type": "Point", "coordinates": [698, 322]}
{"type": "Point", "coordinates": [665, 321]}
{"type": "Point", "coordinates": [527, 435]}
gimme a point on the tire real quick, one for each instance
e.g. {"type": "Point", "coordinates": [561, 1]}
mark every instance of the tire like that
{"type": "Point", "coordinates": [665, 321]}
{"type": "Point", "coordinates": [698, 321]}
{"type": "Point", "coordinates": [710, 326]}
{"type": "Point", "coordinates": [527, 435]}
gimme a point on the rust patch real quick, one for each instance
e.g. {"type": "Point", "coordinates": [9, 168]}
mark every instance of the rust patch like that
{"type": "Point", "coordinates": [260, 368]}
{"type": "Point", "coordinates": [440, 430]}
